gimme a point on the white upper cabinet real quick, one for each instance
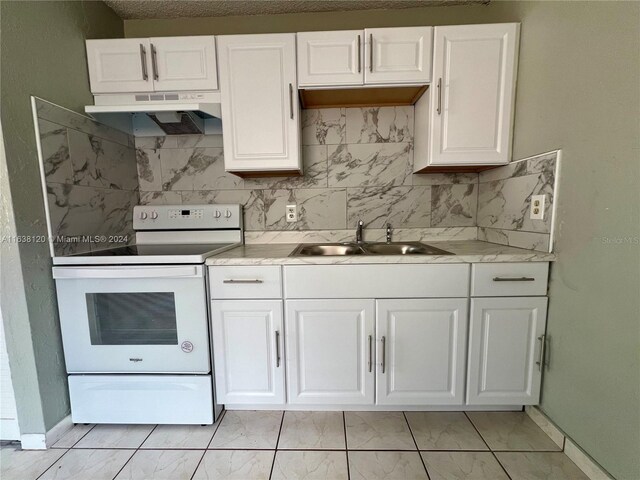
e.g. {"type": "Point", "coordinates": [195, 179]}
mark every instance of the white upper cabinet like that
{"type": "Point", "coordinates": [156, 64]}
{"type": "Point", "coordinates": [330, 58]}
{"type": "Point", "coordinates": [260, 107]}
{"type": "Point", "coordinates": [422, 351]}
{"type": "Point", "coordinates": [472, 94]}
{"type": "Point", "coordinates": [398, 55]}
{"type": "Point", "coordinates": [330, 351]}
{"type": "Point", "coordinates": [506, 350]}
{"type": "Point", "coordinates": [184, 63]}
{"type": "Point", "coordinates": [120, 65]}
{"type": "Point", "coordinates": [248, 351]}
{"type": "Point", "coordinates": [373, 56]}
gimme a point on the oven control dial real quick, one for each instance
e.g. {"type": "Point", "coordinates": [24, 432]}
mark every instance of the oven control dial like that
{"type": "Point", "coordinates": [186, 346]}
{"type": "Point", "coordinates": [217, 214]}
{"type": "Point", "coordinates": [154, 215]}
{"type": "Point", "coordinates": [228, 214]}
{"type": "Point", "coordinates": [143, 215]}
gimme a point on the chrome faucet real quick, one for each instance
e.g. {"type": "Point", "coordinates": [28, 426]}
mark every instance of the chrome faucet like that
{"type": "Point", "coordinates": [389, 231]}
{"type": "Point", "coordinates": [359, 231]}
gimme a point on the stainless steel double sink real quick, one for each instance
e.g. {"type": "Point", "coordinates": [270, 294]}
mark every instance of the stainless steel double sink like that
{"type": "Point", "coordinates": [366, 248]}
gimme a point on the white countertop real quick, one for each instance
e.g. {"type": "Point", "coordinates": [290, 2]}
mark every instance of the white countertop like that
{"type": "Point", "coordinates": [464, 251]}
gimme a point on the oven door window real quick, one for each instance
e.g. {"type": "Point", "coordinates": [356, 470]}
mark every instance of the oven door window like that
{"type": "Point", "coordinates": [146, 318]}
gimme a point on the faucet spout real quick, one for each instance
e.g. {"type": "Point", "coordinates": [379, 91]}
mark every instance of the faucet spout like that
{"type": "Point", "coordinates": [359, 231]}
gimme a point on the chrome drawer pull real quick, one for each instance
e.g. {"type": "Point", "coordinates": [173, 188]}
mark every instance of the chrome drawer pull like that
{"type": "Point", "coordinates": [384, 353]}
{"type": "Point", "coordinates": [231, 280]}
{"type": "Point", "coordinates": [514, 279]}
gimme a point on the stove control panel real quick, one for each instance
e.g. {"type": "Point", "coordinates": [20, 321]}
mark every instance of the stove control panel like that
{"type": "Point", "coordinates": [187, 217]}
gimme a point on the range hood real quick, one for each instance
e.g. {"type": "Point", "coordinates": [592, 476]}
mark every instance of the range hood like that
{"type": "Point", "coordinates": [157, 114]}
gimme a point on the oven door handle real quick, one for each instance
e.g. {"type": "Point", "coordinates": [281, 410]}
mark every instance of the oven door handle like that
{"type": "Point", "coordinates": [191, 271]}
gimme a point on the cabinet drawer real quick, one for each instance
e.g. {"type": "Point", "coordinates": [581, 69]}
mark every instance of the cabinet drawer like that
{"type": "Point", "coordinates": [509, 279]}
{"type": "Point", "coordinates": [376, 281]}
{"type": "Point", "coordinates": [245, 282]}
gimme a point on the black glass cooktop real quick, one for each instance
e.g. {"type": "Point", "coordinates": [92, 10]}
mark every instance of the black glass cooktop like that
{"type": "Point", "coordinates": [139, 250]}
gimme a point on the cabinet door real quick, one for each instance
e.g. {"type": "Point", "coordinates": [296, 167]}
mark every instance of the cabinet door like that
{"type": "Point", "coordinates": [398, 55]}
{"type": "Point", "coordinates": [330, 58]}
{"type": "Point", "coordinates": [329, 347]}
{"type": "Point", "coordinates": [422, 351]}
{"type": "Point", "coordinates": [260, 108]}
{"type": "Point", "coordinates": [120, 65]}
{"type": "Point", "coordinates": [184, 63]}
{"type": "Point", "coordinates": [473, 90]}
{"type": "Point", "coordinates": [247, 351]}
{"type": "Point", "coordinates": [505, 342]}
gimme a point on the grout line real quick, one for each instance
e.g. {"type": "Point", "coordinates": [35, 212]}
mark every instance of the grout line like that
{"type": "Point", "coordinates": [346, 450]}
{"type": "Point", "coordinates": [275, 452]}
{"type": "Point", "coordinates": [136, 451]}
{"type": "Point", "coordinates": [222, 415]}
{"type": "Point", "coordinates": [477, 431]}
{"type": "Point", "coordinates": [67, 450]}
{"type": "Point", "coordinates": [501, 465]}
{"type": "Point", "coordinates": [49, 467]}
{"type": "Point", "coordinates": [485, 442]}
{"type": "Point", "coordinates": [424, 465]}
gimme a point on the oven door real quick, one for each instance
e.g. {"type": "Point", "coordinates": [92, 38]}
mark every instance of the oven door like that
{"type": "Point", "coordinates": [143, 319]}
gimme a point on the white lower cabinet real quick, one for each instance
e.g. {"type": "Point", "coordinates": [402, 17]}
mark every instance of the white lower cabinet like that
{"type": "Point", "coordinates": [422, 351]}
{"type": "Point", "coordinates": [248, 351]}
{"type": "Point", "coordinates": [329, 346]}
{"type": "Point", "coordinates": [506, 350]}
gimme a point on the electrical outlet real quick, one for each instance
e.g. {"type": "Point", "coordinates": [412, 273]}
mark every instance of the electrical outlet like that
{"type": "Point", "coordinates": [291, 213]}
{"type": "Point", "coordinates": [537, 207]}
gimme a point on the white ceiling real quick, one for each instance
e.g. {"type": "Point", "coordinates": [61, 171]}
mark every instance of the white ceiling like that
{"type": "Point", "coordinates": [139, 9]}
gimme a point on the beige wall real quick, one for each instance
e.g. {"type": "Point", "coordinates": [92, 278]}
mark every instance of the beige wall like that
{"type": "Point", "coordinates": [578, 90]}
{"type": "Point", "coordinates": [43, 54]}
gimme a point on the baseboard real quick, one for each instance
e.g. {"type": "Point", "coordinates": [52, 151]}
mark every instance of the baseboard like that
{"type": "Point", "coordinates": [33, 441]}
{"type": "Point", "coordinates": [58, 431]}
{"type": "Point", "coordinates": [583, 461]}
{"type": "Point", "coordinates": [540, 419]}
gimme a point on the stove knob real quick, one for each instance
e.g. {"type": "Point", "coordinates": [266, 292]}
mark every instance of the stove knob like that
{"type": "Point", "coordinates": [217, 214]}
{"type": "Point", "coordinates": [154, 215]}
{"type": "Point", "coordinates": [228, 214]}
{"type": "Point", "coordinates": [143, 215]}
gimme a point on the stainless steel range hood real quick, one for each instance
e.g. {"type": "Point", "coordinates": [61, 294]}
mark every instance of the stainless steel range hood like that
{"type": "Point", "coordinates": [157, 114]}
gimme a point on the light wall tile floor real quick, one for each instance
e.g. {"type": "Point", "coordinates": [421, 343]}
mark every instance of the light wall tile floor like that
{"type": "Point", "coordinates": [248, 445]}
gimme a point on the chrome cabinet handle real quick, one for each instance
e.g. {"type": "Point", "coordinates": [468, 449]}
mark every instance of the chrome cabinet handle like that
{"type": "Point", "coordinates": [154, 62]}
{"type": "Point", "coordinates": [371, 54]}
{"type": "Point", "coordinates": [439, 109]}
{"type": "Point", "coordinates": [233, 280]}
{"type": "Point", "coordinates": [540, 362]}
{"type": "Point", "coordinates": [384, 352]}
{"type": "Point", "coordinates": [291, 101]}
{"type": "Point", "coordinates": [513, 279]}
{"type": "Point", "coordinates": [370, 354]}
{"type": "Point", "coordinates": [143, 61]}
{"type": "Point", "coordinates": [277, 348]}
{"type": "Point", "coordinates": [359, 54]}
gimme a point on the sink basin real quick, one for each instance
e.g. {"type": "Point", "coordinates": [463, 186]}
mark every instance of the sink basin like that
{"type": "Point", "coordinates": [338, 249]}
{"type": "Point", "coordinates": [407, 248]}
{"type": "Point", "coordinates": [314, 249]}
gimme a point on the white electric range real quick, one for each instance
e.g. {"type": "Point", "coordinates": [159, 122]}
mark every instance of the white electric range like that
{"type": "Point", "coordinates": [135, 322]}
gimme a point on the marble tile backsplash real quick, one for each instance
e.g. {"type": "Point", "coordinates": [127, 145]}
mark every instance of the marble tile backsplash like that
{"type": "Point", "coordinates": [358, 164]}
{"type": "Point", "coordinates": [504, 202]}
{"type": "Point", "coordinates": [91, 180]}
